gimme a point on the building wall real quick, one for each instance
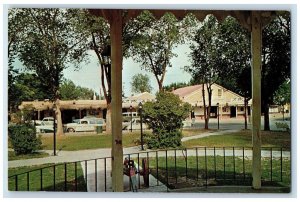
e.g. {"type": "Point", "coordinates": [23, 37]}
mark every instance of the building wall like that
{"type": "Point", "coordinates": [230, 104]}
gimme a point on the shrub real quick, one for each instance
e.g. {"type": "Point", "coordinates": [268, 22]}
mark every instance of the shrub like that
{"type": "Point", "coordinates": [165, 117]}
{"type": "Point", "coordinates": [23, 138]}
{"type": "Point", "coordinates": [164, 139]}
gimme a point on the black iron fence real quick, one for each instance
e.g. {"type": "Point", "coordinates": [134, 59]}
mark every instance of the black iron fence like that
{"type": "Point", "coordinates": [170, 169]}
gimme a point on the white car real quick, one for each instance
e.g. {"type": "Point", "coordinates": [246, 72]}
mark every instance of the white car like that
{"type": "Point", "coordinates": [44, 129]}
{"type": "Point", "coordinates": [84, 125]}
{"type": "Point", "coordinates": [136, 125]}
{"type": "Point", "coordinates": [45, 126]}
{"type": "Point", "coordinates": [45, 121]}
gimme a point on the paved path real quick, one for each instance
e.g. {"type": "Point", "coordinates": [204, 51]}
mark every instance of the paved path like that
{"type": "Point", "coordinates": [212, 133]}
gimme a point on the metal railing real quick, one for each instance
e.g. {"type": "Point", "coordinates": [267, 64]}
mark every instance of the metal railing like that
{"type": "Point", "coordinates": [172, 169]}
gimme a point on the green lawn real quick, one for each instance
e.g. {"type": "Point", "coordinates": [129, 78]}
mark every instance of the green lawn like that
{"type": "Point", "coordinates": [12, 156]}
{"type": "Point", "coordinates": [242, 139]}
{"type": "Point", "coordinates": [192, 172]}
{"type": "Point", "coordinates": [82, 142]}
{"type": "Point", "coordinates": [34, 183]}
{"type": "Point", "coordinates": [196, 131]}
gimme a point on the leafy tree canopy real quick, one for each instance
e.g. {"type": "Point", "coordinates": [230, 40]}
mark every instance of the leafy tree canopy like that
{"type": "Point", "coordinates": [283, 94]}
{"type": "Point", "coordinates": [69, 91]}
{"type": "Point", "coordinates": [50, 43]}
{"type": "Point", "coordinates": [176, 85]}
{"type": "Point", "coordinates": [153, 44]}
{"type": "Point", "coordinates": [27, 87]}
{"type": "Point", "coordinates": [140, 83]}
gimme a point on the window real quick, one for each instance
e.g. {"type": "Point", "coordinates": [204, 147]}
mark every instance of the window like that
{"type": "Point", "coordinates": [225, 109]}
{"type": "Point", "coordinates": [242, 109]}
{"type": "Point", "coordinates": [219, 92]}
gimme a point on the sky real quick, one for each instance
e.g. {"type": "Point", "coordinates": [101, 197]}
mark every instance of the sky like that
{"type": "Point", "coordinates": [89, 74]}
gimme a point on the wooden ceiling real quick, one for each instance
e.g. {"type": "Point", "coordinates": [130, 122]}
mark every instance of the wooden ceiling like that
{"type": "Point", "coordinates": [242, 16]}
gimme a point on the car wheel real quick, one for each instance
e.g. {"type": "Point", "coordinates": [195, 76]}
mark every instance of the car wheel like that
{"type": "Point", "coordinates": [71, 130]}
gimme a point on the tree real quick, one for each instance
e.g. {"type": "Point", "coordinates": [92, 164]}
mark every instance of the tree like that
{"type": "Point", "coordinates": [27, 87]}
{"type": "Point", "coordinates": [236, 58]}
{"type": "Point", "coordinates": [140, 83]}
{"type": "Point", "coordinates": [99, 42]}
{"type": "Point", "coordinates": [283, 95]}
{"type": "Point", "coordinates": [176, 85]}
{"type": "Point", "coordinates": [69, 91]}
{"type": "Point", "coordinates": [276, 60]}
{"type": "Point", "coordinates": [164, 117]}
{"type": "Point", "coordinates": [222, 55]}
{"type": "Point", "coordinates": [49, 45]}
{"type": "Point", "coordinates": [207, 64]}
{"type": "Point", "coordinates": [153, 45]}
{"type": "Point", "coordinates": [15, 29]}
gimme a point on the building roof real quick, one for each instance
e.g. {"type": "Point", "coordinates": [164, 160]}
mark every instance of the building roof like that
{"type": "Point", "coordinates": [184, 91]}
{"type": "Point", "coordinates": [192, 95]}
{"type": "Point", "coordinates": [65, 104]}
{"type": "Point", "coordinates": [141, 97]}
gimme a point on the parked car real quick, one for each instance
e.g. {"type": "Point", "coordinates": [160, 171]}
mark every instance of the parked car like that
{"type": "Point", "coordinates": [45, 121]}
{"type": "Point", "coordinates": [97, 121]}
{"type": "Point", "coordinates": [45, 126]}
{"type": "Point", "coordinates": [136, 125]}
{"type": "Point", "coordinates": [84, 125]}
{"type": "Point", "coordinates": [44, 129]}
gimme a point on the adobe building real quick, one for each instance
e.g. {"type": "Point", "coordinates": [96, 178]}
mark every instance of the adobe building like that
{"type": "Point", "coordinates": [70, 109]}
{"type": "Point", "coordinates": [77, 109]}
{"type": "Point", "coordinates": [231, 105]}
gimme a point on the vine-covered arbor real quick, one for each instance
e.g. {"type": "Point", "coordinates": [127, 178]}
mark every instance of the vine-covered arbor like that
{"type": "Point", "coordinates": [253, 21]}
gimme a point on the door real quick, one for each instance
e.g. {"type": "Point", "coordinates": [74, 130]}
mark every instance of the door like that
{"type": "Point", "coordinates": [232, 112]}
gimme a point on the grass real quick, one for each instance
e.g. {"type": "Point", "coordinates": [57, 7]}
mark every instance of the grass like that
{"type": "Point", "coordinates": [82, 142]}
{"type": "Point", "coordinates": [192, 171]}
{"type": "Point", "coordinates": [12, 156]}
{"type": "Point", "coordinates": [34, 183]}
{"type": "Point", "coordinates": [196, 131]}
{"type": "Point", "coordinates": [242, 139]}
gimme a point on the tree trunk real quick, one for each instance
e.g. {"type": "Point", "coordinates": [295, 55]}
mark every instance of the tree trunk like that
{"type": "Point", "coordinates": [108, 119]}
{"type": "Point", "coordinates": [60, 130]}
{"type": "Point", "coordinates": [266, 117]}
{"type": "Point", "coordinates": [160, 86]}
{"type": "Point", "coordinates": [209, 92]}
{"type": "Point", "coordinates": [246, 110]}
{"type": "Point", "coordinates": [204, 108]}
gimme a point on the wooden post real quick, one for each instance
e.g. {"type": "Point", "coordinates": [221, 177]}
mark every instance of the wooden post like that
{"type": "Point", "coordinates": [39, 115]}
{"type": "Point", "coordinates": [256, 45]}
{"type": "Point", "coordinates": [116, 103]}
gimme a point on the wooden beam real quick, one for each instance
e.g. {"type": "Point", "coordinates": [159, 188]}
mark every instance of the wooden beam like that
{"type": "Point", "coordinates": [256, 45]}
{"type": "Point", "coordinates": [116, 93]}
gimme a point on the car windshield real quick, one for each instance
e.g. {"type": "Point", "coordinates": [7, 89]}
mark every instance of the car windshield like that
{"type": "Point", "coordinates": [76, 121]}
{"type": "Point", "coordinates": [99, 122]}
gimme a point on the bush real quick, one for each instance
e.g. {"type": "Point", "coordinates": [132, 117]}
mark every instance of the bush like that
{"type": "Point", "coordinates": [165, 117]}
{"type": "Point", "coordinates": [164, 139]}
{"type": "Point", "coordinates": [23, 139]}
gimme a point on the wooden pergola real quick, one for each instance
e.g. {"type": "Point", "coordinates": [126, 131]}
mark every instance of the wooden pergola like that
{"type": "Point", "coordinates": [253, 21]}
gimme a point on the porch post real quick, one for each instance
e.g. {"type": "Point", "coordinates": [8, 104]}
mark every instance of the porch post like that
{"type": "Point", "coordinates": [116, 103]}
{"type": "Point", "coordinates": [256, 44]}
{"type": "Point", "coordinates": [39, 115]}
